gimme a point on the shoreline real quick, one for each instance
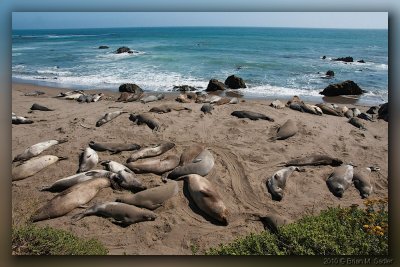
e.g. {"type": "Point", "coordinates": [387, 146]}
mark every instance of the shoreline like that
{"type": "Point", "coordinates": [351, 100]}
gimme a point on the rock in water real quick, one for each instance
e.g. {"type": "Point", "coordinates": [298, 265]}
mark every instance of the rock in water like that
{"type": "Point", "coordinates": [345, 88]}
{"type": "Point", "coordinates": [215, 85]}
{"type": "Point", "coordinates": [235, 82]}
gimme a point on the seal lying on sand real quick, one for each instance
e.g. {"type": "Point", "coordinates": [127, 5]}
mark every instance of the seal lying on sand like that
{"type": "Point", "coordinates": [151, 151]}
{"type": "Point", "coordinates": [340, 180]}
{"type": "Point", "coordinates": [33, 166]}
{"type": "Point", "coordinates": [151, 198]}
{"type": "Point", "coordinates": [251, 115]}
{"type": "Point", "coordinates": [277, 182]}
{"type": "Point", "coordinates": [40, 107]}
{"type": "Point", "coordinates": [87, 160]}
{"type": "Point", "coordinates": [206, 197]}
{"type": "Point", "coordinates": [113, 147]}
{"type": "Point", "coordinates": [67, 182]}
{"type": "Point", "coordinates": [36, 149]}
{"type": "Point", "coordinates": [201, 165]}
{"type": "Point", "coordinates": [168, 108]}
{"type": "Point", "coordinates": [362, 181]}
{"type": "Point", "coordinates": [145, 119]}
{"type": "Point", "coordinates": [109, 116]}
{"type": "Point", "coordinates": [114, 166]}
{"type": "Point", "coordinates": [329, 110]}
{"type": "Point", "coordinates": [152, 98]}
{"type": "Point", "coordinates": [127, 180]}
{"type": "Point", "coordinates": [69, 199]}
{"type": "Point", "coordinates": [207, 108]}
{"type": "Point", "coordinates": [314, 160]}
{"type": "Point", "coordinates": [121, 213]}
{"type": "Point", "coordinates": [273, 222]}
{"type": "Point", "coordinates": [190, 153]}
{"type": "Point", "coordinates": [288, 129]}
{"type": "Point", "coordinates": [156, 166]}
{"type": "Point", "coordinates": [20, 120]}
{"type": "Point", "coordinates": [357, 123]}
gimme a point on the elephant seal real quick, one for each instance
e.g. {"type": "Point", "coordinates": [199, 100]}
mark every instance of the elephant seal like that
{"type": "Point", "coordinates": [34, 93]}
{"type": "Point", "coordinates": [67, 182]}
{"type": "Point", "coordinates": [151, 151]}
{"type": "Point", "coordinates": [212, 99]}
{"type": "Point", "coordinates": [223, 101]}
{"type": "Point", "coordinates": [362, 181]}
{"type": "Point", "coordinates": [251, 115]}
{"type": "Point", "coordinates": [113, 147]}
{"type": "Point", "coordinates": [288, 129]}
{"type": "Point", "coordinates": [127, 180]}
{"type": "Point", "coordinates": [97, 97]}
{"type": "Point", "coordinates": [340, 180]}
{"type": "Point", "coordinates": [206, 197]}
{"type": "Point", "coordinates": [152, 98]}
{"type": "Point", "coordinates": [109, 116]}
{"type": "Point", "coordinates": [207, 108]}
{"type": "Point", "coordinates": [348, 112]}
{"type": "Point", "coordinates": [114, 166]}
{"type": "Point", "coordinates": [40, 107]}
{"type": "Point", "coordinates": [183, 98]}
{"type": "Point", "coordinates": [234, 100]}
{"type": "Point", "coordinates": [20, 120]}
{"type": "Point", "coordinates": [145, 119]}
{"type": "Point", "coordinates": [329, 110]}
{"type": "Point", "coordinates": [365, 116]}
{"type": "Point", "coordinates": [36, 149]}
{"type": "Point", "coordinates": [168, 108]}
{"type": "Point", "coordinates": [121, 213]}
{"type": "Point", "coordinates": [69, 199]}
{"type": "Point", "coordinates": [277, 182]}
{"type": "Point", "coordinates": [309, 108]}
{"type": "Point", "coordinates": [64, 94]}
{"type": "Point", "coordinates": [87, 160]}
{"type": "Point", "coordinates": [277, 104]}
{"type": "Point", "coordinates": [152, 198]}
{"type": "Point", "coordinates": [357, 123]}
{"type": "Point", "coordinates": [201, 164]}
{"type": "Point", "coordinates": [33, 166]}
{"type": "Point", "coordinates": [156, 166]}
{"type": "Point", "coordinates": [314, 160]}
{"type": "Point", "coordinates": [296, 106]}
{"type": "Point", "coordinates": [190, 153]}
{"type": "Point", "coordinates": [273, 222]}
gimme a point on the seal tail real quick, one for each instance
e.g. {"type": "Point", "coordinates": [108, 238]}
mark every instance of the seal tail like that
{"type": "Point", "coordinates": [78, 216]}
{"type": "Point", "coordinates": [62, 158]}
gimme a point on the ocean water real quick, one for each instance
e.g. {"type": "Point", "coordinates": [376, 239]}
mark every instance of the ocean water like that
{"type": "Point", "coordinates": [274, 62]}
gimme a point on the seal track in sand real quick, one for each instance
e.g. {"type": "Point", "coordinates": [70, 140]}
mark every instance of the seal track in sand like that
{"type": "Point", "coordinates": [239, 180]}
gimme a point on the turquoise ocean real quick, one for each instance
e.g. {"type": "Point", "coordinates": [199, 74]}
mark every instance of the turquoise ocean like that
{"type": "Point", "coordinates": [274, 62]}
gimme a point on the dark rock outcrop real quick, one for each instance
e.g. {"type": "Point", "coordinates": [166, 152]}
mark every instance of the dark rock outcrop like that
{"type": "Point", "coordinates": [184, 88]}
{"type": "Point", "coordinates": [324, 57]}
{"type": "Point", "coordinates": [383, 112]}
{"type": "Point", "coordinates": [330, 73]}
{"type": "Point", "coordinates": [345, 88]}
{"type": "Point", "coordinates": [215, 85]}
{"type": "Point", "coordinates": [124, 49]}
{"type": "Point", "coordinates": [344, 59]}
{"type": "Point", "coordinates": [235, 82]}
{"type": "Point", "coordinates": [361, 61]}
{"type": "Point", "coordinates": [130, 88]}
{"type": "Point", "coordinates": [103, 47]}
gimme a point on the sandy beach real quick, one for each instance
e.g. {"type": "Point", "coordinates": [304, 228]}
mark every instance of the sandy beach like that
{"type": "Point", "coordinates": [244, 159]}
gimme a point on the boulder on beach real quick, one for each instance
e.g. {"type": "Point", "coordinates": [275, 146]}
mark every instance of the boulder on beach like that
{"type": "Point", "coordinates": [383, 112]}
{"type": "Point", "coordinates": [235, 82]}
{"type": "Point", "coordinates": [184, 88]}
{"type": "Point", "coordinates": [124, 49]}
{"type": "Point", "coordinates": [130, 88]}
{"type": "Point", "coordinates": [344, 88]}
{"type": "Point", "coordinates": [103, 47]}
{"type": "Point", "coordinates": [344, 59]}
{"type": "Point", "coordinates": [215, 85]}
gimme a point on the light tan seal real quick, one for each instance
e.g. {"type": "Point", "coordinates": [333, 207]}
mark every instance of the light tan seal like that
{"type": "Point", "coordinates": [340, 180]}
{"type": "Point", "coordinates": [120, 213]}
{"type": "Point", "coordinates": [151, 198]}
{"type": "Point", "coordinates": [69, 181]}
{"type": "Point", "coordinates": [206, 197]}
{"type": "Point", "coordinates": [33, 166]}
{"type": "Point", "coordinates": [277, 182]}
{"type": "Point", "coordinates": [288, 129]}
{"type": "Point", "coordinates": [69, 199]}
{"type": "Point", "coordinates": [108, 117]}
{"type": "Point", "coordinates": [314, 160]}
{"type": "Point", "coordinates": [37, 149]}
{"type": "Point", "coordinates": [151, 151]}
{"type": "Point", "coordinates": [87, 160]}
{"type": "Point", "coordinates": [156, 166]}
{"type": "Point", "coordinates": [362, 181]}
{"type": "Point", "coordinates": [201, 165]}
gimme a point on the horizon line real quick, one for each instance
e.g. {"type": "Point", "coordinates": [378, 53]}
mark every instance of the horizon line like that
{"type": "Point", "coordinates": [205, 26]}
